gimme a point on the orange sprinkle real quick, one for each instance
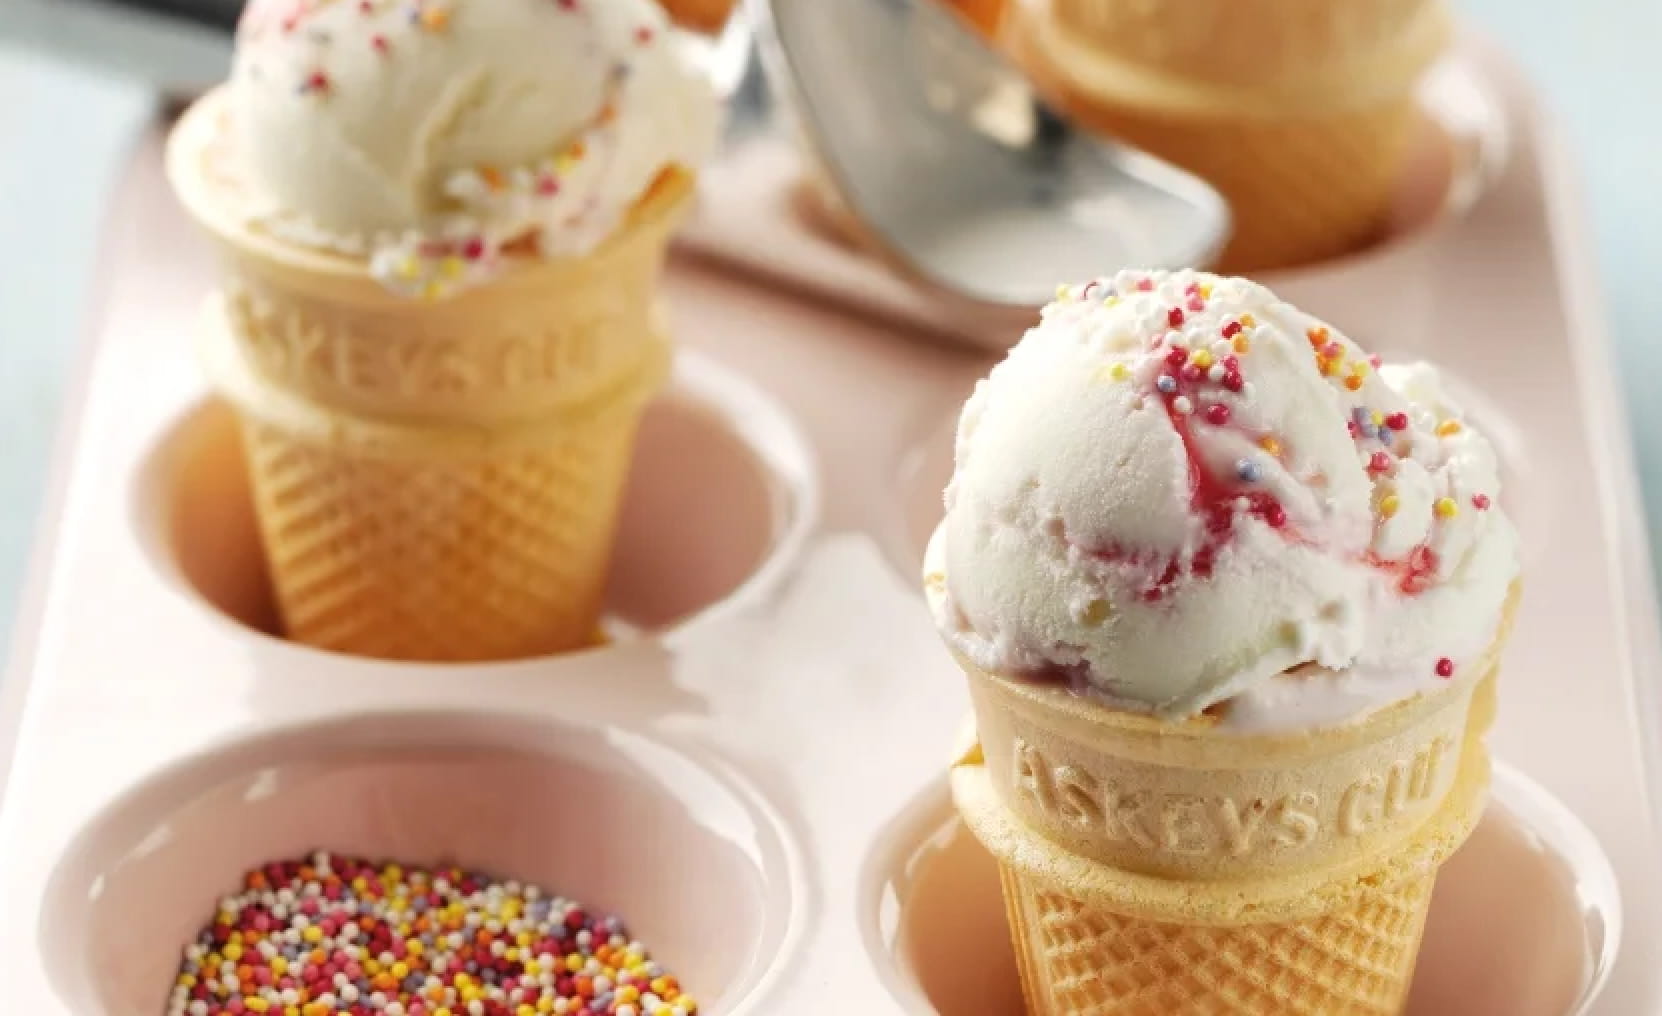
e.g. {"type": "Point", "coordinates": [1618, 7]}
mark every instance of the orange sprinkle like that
{"type": "Point", "coordinates": [1317, 337]}
{"type": "Point", "coordinates": [1270, 444]}
{"type": "Point", "coordinates": [435, 19]}
{"type": "Point", "coordinates": [1448, 428]}
{"type": "Point", "coordinates": [492, 177]}
{"type": "Point", "coordinates": [1354, 382]}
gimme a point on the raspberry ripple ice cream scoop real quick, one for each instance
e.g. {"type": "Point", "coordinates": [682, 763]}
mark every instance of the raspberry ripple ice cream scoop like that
{"type": "Point", "coordinates": [1183, 495]}
{"type": "Point", "coordinates": [436, 136]}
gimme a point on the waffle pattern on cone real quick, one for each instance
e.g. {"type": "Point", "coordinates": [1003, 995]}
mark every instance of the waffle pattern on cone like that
{"type": "Point", "coordinates": [1079, 960]}
{"type": "Point", "coordinates": [441, 558]}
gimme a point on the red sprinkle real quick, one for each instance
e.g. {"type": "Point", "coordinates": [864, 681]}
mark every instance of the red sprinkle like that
{"type": "Point", "coordinates": [1231, 329]}
{"type": "Point", "coordinates": [1174, 317]}
{"type": "Point", "coordinates": [1217, 413]}
{"type": "Point", "coordinates": [1379, 462]}
{"type": "Point", "coordinates": [1192, 373]}
{"type": "Point", "coordinates": [1177, 358]}
{"type": "Point", "coordinates": [1232, 380]}
{"type": "Point", "coordinates": [1275, 515]}
{"type": "Point", "coordinates": [1445, 667]}
{"type": "Point", "coordinates": [1480, 502]}
{"type": "Point", "coordinates": [474, 249]}
{"type": "Point", "coordinates": [1397, 421]}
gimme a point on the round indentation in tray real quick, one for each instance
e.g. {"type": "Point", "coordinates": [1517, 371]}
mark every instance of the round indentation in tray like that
{"type": "Point", "coordinates": [1525, 921]}
{"type": "Point", "coordinates": [690, 859]}
{"type": "Point", "coordinates": [721, 494]}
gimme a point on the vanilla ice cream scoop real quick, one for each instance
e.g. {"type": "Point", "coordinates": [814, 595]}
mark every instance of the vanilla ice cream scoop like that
{"type": "Point", "coordinates": [439, 137]}
{"type": "Point", "coordinates": [1181, 494]}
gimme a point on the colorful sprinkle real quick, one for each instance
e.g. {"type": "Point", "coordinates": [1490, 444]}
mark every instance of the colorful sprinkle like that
{"type": "Point", "coordinates": [1448, 428]}
{"type": "Point", "coordinates": [1446, 508]}
{"type": "Point", "coordinates": [1388, 505]}
{"type": "Point", "coordinates": [1201, 358]}
{"type": "Point", "coordinates": [1174, 317]}
{"type": "Point", "coordinates": [1354, 382]}
{"type": "Point", "coordinates": [1270, 445]}
{"type": "Point", "coordinates": [1166, 383]}
{"type": "Point", "coordinates": [1397, 421]}
{"type": "Point", "coordinates": [1182, 406]}
{"type": "Point", "coordinates": [1379, 462]}
{"type": "Point", "coordinates": [1231, 329]}
{"type": "Point", "coordinates": [327, 936]}
{"type": "Point", "coordinates": [1480, 502]}
{"type": "Point", "coordinates": [1317, 336]}
{"type": "Point", "coordinates": [1445, 667]}
{"type": "Point", "coordinates": [1217, 414]}
{"type": "Point", "coordinates": [1248, 471]}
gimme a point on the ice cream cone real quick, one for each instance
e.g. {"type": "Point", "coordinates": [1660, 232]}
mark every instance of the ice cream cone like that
{"type": "Point", "coordinates": [434, 480]}
{"type": "Point", "coordinates": [1154, 868]}
{"type": "Point", "coordinates": [701, 15]}
{"type": "Point", "coordinates": [1302, 114]}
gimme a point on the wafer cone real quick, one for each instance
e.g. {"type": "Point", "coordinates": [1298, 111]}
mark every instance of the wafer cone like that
{"type": "Point", "coordinates": [1301, 112]}
{"type": "Point", "coordinates": [708, 16]}
{"type": "Point", "coordinates": [434, 480]}
{"type": "Point", "coordinates": [1166, 869]}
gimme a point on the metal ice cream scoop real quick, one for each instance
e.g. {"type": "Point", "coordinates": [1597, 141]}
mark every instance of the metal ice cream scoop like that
{"type": "Point", "coordinates": [955, 169]}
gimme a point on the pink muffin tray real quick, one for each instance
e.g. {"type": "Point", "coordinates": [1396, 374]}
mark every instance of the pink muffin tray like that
{"type": "Point", "coordinates": [752, 771]}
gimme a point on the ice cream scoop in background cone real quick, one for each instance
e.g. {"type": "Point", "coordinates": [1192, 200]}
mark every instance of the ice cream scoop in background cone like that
{"type": "Point", "coordinates": [1301, 113]}
{"type": "Point", "coordinates": [434, 480]}
{"type": "Point", "coordinates": [1159, 870]}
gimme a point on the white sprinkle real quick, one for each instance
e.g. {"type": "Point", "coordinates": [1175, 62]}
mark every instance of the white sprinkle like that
{"type": "Point", "coordinates": [1182, 406]}
{"type": "Point", "coordinates": [1216, 373]}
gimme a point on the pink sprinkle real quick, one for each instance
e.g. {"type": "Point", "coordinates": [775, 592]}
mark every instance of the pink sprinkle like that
{"type": "Point", "coordinates": [1196, 304]}
{"type": "Point", "coordinates": [643, 34]}
{"type": "Point", "coordinates": [379, 42]}
{"type": "Point", "coordinates": [1144, 285]}
{"type": "Point", "coordinates": [1480, 502]}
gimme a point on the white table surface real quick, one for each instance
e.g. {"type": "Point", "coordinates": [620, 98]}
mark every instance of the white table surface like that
{"type": "Point", "coordinates": [66, 125]}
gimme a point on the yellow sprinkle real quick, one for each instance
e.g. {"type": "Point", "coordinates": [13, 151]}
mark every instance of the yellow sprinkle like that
{"type": "Point", "coordinates": [1201, 358]}
{"type": "Point", "coordinates": [187, 980]}
{"type": "Point", "coordinates": [1062, 293]}
{"type": "Point", "coordinates": [1378, 418]}
{"type": "Point", "coordinates": [313, 934]}
{"type": "Point", "coordinates": [1270, 444]}
{"type": "Point", "coordinates": [1446, 508]}
{"type": "Point", "coordinates": [1112, 301]}
{"type": "Point", "coordinates": [408, 268]}
{"type": "Point", "coordinates": [256, 1004]}
{"type": "Point", "coordinates": [432, 291]}
{"type": "Point", "coordinates": [1240, 343]}
{"type": "Point", "coordinates": [1206, 291]}
{"type": "Point", "coordinates": [1248, 321]}
{"type": "Point", "coordinates": [1360, 368]}
{"type": "Point", "coordinates": [1448, 428]}
{"type": "Point", "coordinates": [233, 952]}
{"type": "Point", "coordinates": [1096, 612]}
{"type": "Point", "coordinates": [279, 965]}
{"type": "Point", "coordinates": [1388, 506]}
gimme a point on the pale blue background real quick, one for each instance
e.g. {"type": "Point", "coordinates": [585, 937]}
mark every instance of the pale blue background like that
{"type": "Point", "coordinates": [65, 126]}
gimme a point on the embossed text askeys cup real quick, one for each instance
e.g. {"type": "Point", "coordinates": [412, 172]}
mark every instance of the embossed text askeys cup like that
{"type": "Point", "coordinates": [1151, 866]}
{"type": "Point", "coordinates": [435, 480]}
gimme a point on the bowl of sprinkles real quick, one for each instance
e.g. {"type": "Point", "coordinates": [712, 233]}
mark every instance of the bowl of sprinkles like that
{"type": "Point", "coordinates": [339, 936]}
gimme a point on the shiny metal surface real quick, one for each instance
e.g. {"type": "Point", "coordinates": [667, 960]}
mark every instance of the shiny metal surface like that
{"type": "Point", "coordinates": [949, 163]}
